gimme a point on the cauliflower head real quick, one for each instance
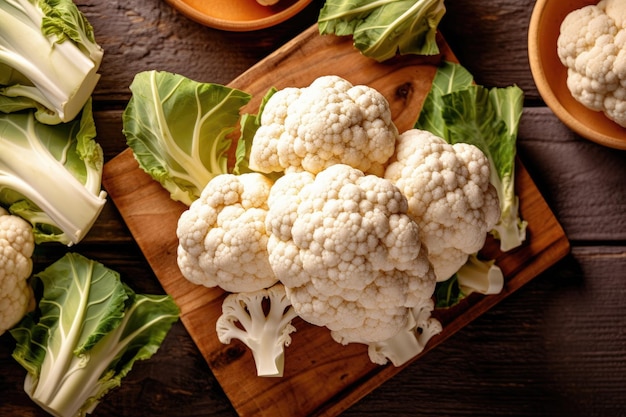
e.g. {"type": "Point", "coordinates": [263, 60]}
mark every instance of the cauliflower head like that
{"type": "Point", "coordinates": [592, 45]}
{"type": "Point", "coordinates": [17, 243]}
{"type": "Point", "coordinates": [330, 121]}
{"type": "Point", "coordinates": [449, 196]}
{"type": "Point", "coordinates": [349, 256]}
{"type": "Point", "coordinates": [222, 237]}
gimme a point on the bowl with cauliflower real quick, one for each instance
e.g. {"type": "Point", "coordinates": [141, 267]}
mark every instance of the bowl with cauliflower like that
{"type": "Point", "coordinates": [577, 54]}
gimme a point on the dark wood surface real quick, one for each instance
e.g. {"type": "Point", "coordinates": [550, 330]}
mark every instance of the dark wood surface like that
{"type": "Point", "coordinates": [557, 347]}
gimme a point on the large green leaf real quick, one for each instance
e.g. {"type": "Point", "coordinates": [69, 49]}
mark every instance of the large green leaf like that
{"type": "Point", "coordinates": [178, 130]}
{"type": "Point", "coordinates": [448, 78]}
{"type": "Point", "coordinates": [381, 29]}
{"type": "Point", "coordinates": [86, 334]}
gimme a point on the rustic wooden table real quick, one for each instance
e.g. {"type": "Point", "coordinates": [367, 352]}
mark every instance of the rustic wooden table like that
{"type": "Point", "coordinates": [556, 347]}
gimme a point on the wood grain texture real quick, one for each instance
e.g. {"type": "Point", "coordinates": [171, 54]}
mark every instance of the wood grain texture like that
{"type": "Point", "coordinates": [491, 41]}
{"type": "Point", "coordinates": [321, 377]}
{"type": "Point", "coordinates": [140, 35]}
{"type": "Point", "coordinates": [566, 165]}
{"type": "Point", "coordinates": [530, 355]}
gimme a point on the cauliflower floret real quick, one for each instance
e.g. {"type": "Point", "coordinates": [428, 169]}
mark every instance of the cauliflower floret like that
{"type": "Point", "coordinates": [449, 196]}
{"type": "Point", "coordinates": [592, 45]}
{"type": "Point", "coordinates": [331, 121]}
{"type": "Point", "coordinates": [222, 236]}
{"type": "Point", "coordinates": [17, 244]}
{"type": "Point", "coordinates": [347, 253]}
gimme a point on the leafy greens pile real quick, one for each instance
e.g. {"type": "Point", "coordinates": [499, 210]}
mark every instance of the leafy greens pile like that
{"type": "Point", "coordinates": [89, 327]}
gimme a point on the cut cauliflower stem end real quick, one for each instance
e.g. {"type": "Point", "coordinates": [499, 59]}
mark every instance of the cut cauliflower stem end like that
{"type": "Point", "coordinates": [592, 46]}
{"type": "Point", "coordinates": [481, 276]}
{"type": "Point", "coordinates": [222, 237]}
{"type": "Point", "coordinates": [410, 341]}
{"type": "Point", "coordinates": [329, 122]}
{"type": "Point", "coordinates": [17, 243]}
{"type": "Point", "coordinates": [264, 330]}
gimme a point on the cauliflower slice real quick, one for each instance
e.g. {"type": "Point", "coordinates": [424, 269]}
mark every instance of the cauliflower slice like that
{"type": "Point", "coordinates": [449, 196]}
{"type": "Point", "coordinates": [331, 121]}
{"type": "Point", "coordinates": [592, 45]}
{"type": "Point", "coordinates": [347, 253]}
{"type": "Point", "coordinates": [265, 333]}
{"type": "Point", "coordinates": [222, 236]}
{"type": "Point", "coordinates": [17, 243]}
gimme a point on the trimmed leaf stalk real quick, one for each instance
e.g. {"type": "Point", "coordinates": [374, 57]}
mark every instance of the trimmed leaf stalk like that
{"type": "Point", "coordinates": [62, 76]}
{"type": "Point", "coordinates": [65, 199]}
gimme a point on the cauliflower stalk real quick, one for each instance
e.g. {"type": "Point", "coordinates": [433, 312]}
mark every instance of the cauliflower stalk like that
{"type": "Point", "coordinates": [266, 333]}
{"type": "Point", "coordinates": [410, 340]}
{"type": "Point", "coordinates": [592, 45]}
{"type": "Point", "coordinates": [86, 334]}
{"type": "Point", "coordinates": [17, 243]}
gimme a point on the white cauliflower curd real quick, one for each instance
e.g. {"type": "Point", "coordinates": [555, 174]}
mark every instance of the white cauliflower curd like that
{"type": "Point", "coordinates": [17, 244]}
{"type": "Point", "coordinates": [449, 196]}
{"type": "Point", "coordinates": [353, 235]}
{"type": "Point", "coordinates": [222, 236]}
{"type": "Point", "coordinates": [349, 256]}
{"type": "Point", "coordinates": [592, 45]}
{"type": "Point", "coordinates": [330, 121]}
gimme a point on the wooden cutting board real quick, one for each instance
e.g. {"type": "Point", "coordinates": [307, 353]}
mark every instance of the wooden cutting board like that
{"type": "Point", "coordinates": [321, 377]}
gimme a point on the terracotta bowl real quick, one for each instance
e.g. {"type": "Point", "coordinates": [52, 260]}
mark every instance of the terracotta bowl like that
{"type": "Point", "coordinates": [238, 15]}
{"type": "Point", "coordinates": [550, 75]}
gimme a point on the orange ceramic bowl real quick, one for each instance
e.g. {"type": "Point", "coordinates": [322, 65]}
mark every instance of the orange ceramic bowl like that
{"type": "Point", "coordinates": [238, 15]}
{"type": "Point", "coordinates": [550, 75]}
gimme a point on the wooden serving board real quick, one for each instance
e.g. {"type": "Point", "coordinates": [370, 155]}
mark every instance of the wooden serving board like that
{"type": "Point", "coordinates": [321, 377]}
